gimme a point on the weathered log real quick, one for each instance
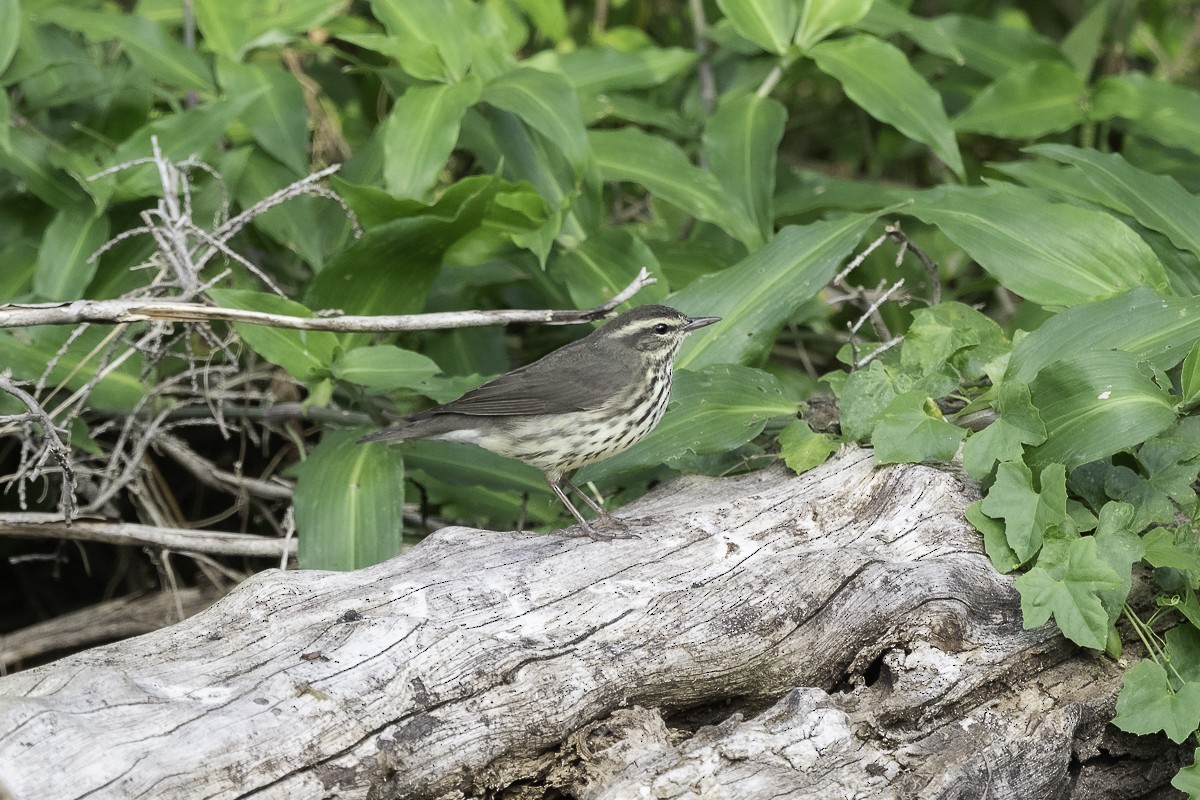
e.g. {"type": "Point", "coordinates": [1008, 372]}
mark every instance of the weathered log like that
{"type": "Point", "coordinates": [670, 666]}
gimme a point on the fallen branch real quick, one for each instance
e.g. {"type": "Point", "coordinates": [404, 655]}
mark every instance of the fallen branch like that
{"type": "Point", "coordinates": [18, 315]}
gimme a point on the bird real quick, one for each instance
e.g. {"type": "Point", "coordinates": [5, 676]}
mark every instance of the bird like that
{"type": "Point", "coordinates": [582, 403]}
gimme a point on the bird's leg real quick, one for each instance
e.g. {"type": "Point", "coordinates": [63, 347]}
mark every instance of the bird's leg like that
{"type": "Point", "coordinates": [600, 512]}
{"type": "Point", "coordinates": [583, 523]}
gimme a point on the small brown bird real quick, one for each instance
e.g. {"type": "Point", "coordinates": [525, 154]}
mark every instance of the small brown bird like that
{"type": "Point", "coordinates": [584, 402]}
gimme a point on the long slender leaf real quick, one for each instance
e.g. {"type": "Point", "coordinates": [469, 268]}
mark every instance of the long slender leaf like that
{"type": "Point", "coordinates": [1095, 404]}
{"type": "Point", "coordinates": [278, 119]}
{"type": "Point", "coordinates": [546, 102]}
{"type": "Point", "coordinates": [741, 140]}
{"type": "Point", "coordinates": [819, 18]}
{"type": "Point", "coordinates": [768, 23]}
{"type": "Point", "coordinates": [422, 130]}
{"type": "Point", "coordinates": [232, 29]}
{"type": "Point", "coordinates": [1051, 253]}
{"type": "Point", "coordinates": [428, 32]}
{"type": "Point", "coordinates": [63, 266]}
{"type": "Point", "coordinates": [307, 355]}
{"type": "Point", "coordinates": [1162, 111]}
{"type": "Point", "coordinates": [593, 70]}
{"type": "Point", "coordinates": [877, 76]}
{"type": "Point", "coordinates": [1033, 100]}
{"type": "Point", "coordinates": [10, 31]}
{"type": "Point", "coordinates": [631, 155]}
{"type": "Point", "coordinates": [1156, 201]}
{"type": "Point", "coordinates": [349, 504]}
{"type": "Point", "coordinates": [604, 264]}
{"type": "Point", "coordinates": [1159, 329]}
{"type": "Point", "coordinates": [757, 296]}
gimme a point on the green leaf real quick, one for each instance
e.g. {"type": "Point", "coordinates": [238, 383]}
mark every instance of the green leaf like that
{"type": "Point", "coordinates": [148, 46]}
{"type": "Point", "coordinates": [1188, 778]}
{"type": "Point", "coordinates": [1161, 330]}
{"type": "Point", "coordinates": [713, 410]}
{"type": "Point", "coordinates": [629, 154]}
{"type": "Point", "coordinates": [1189, 379]}
{"type": "Point", "coordinates": [604, 264]}
{"type": "Point", "coordinates": [547, 103]}
{"type": "Point", "coordinates": [422, 131]}
{"type": "Point", "coordinates": [741, 140]}
{"type": "Point", "coordinates": [1163, 549]}
{"type": "Point", "coordinates": [995, 543]}
{"type": "Point", "coordinates": [1096, 404]}
{"type": "Point", "coordinates": [819, 18]}
{"type": "Point", "coordinates": [867, 392]}
{"type": "Point", "coordinates": [1082, 45]}
{"type": "Point", "coordinates": [548, 15]}
{"type": "Point", "coordinates": [10, 32]}
{"type": "Point", "coordinates": [1069, 590]}
{"type": "Point", "coordinates": [430, 36]}
{"type": "Point", "coordinates": [383, 367]}
{"type": "Point", "coordinates": [1167, 113]}
{"type": "Point", "coordinates": [912, 429]}
{"type": "Point", "coordinates": [306, 355]}
{"type": "Point", "coordinates": [28, 353]}
{"type": "Point", "coordinates": [1027, 513]}
{"type": "Point", "coordinates": [349, 504]}
{"type": "Point", "coordinates": [232, 29]}
{"type": "Point", "coordinates": [1051, 253]}
{"type": "Point", "coordinates": [802, 448]}
{"type": "Point", "coordinates": [952, 333]}
{"type": "Point", "coordinates": [311, 227]}
{"type": "Point", "coordinates": [1119, 546]}
{"type": "Point", "coordinates": [1148, 703]}
{"type": "Point", "coordinates": [768, 23]}
{"type": "Point", "coordinates": [1018, 424]}
{"type": "Point", "coordinates": [1156, 201]}
{"type": "Point", "coordinates": [991, 47]}
{"type": "Point", "coordinates": [878, 77]}
{"type": "Point", "coordinates": [757, 296]}
{"type": "Point", "coordinates": [593, 70]}
{"type": "Point", "coordinates": [277, 120]}
{"type": "Point", "coordinates": [63, 266]}
{"type": "Point", "coordinates": [1031, 101]}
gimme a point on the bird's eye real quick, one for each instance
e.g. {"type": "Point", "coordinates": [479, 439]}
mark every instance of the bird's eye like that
{"type": "Point", "coordinates": [662, 327]}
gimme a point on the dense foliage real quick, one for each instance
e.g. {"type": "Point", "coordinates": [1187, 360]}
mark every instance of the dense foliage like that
{"type": "Point", "coordinates": [1012, 184]}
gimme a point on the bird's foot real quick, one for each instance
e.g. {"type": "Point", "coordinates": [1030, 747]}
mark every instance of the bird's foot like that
{"type": "Point", "coordinates": [605, 528]}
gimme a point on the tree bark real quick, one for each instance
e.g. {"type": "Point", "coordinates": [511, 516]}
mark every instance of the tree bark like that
{"type": "Point", "coordinates": [834, 634]}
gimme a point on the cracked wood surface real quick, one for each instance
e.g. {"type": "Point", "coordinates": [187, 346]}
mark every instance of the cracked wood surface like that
{"type": "Point", "coordinates": [483, 660]}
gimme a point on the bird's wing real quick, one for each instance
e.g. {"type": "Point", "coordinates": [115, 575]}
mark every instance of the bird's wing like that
{"type": "Point", "coordinates": [539, 389]}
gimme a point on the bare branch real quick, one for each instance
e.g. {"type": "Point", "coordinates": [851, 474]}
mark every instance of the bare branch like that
{"type": "Point", "coordinates": [52, 526]}
{"type": "Point", "coordinates": [54, 445]}
{"type": "Point", "coordinates": [17, 315]}
{"type": "Point", "coordinates": [207, 473]}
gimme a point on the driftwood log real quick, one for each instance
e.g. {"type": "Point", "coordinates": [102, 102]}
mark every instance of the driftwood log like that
{"type": "Point", "coordinates": [837, 634]}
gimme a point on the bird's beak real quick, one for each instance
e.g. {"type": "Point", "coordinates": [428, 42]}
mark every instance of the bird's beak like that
{"type": "Point", "coordinates": [695, 323]}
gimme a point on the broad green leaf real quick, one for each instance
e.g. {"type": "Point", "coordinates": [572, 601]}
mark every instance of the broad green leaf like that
{"type": "Point", "coordinates": [1159, 329]}
{"type": "Point", "coordinates": [604, 264]}
{"type": "Point", "coordinates": [1156, 201]}
{"type": "Point", "coordinates": [383, 367]}
{"type": "Point", "coordinates": [1082, 45]}
{"type": "Point", "coordinates": [802, 448]}
{"type": "Point", "coordinates": [1069, 591]}
{"type": "Point", "coordinates": [1168, 113]}
{"type": "Point", "coordinates": [768, 23]}
{"type": "Point", "coordinates": [629, 154]}
{"type": "Point", "coordinates": [757, 296]}
{"type": "Point", "coordinates": [741, 140]}
{"type": "Point", "coordinates": [428, 33]}
{"type": "Point", "coordinates": [912, 429]}
{"type": "Point", "coordinates": [713, 410]}
{"type": "Point", "coordinates": [349, 504]}
{"type": "Point", "coordinates": [10, 32]}
{"type": "Point", "coordinates": [232, 29]}
{"type": "Point", "coordinates": [1188, 779]}
{"type": "Point", "coordinates": [1171, 462]}
{"type": "Point", "coordinates": [27, 156]}
{"type": "Point", "coordinates": [865, 393]}
{"type": "Point", "coordinates": [1051, 253]}
{"type": "Point", "coordinates": [885, 20]}
{"type": "Point", "coordinates": [306, 355]}
{"type": "Point", "coordinates": [1028, 513]}
{"type": "Point", "coordinates": [995, 543]}
{"type": "Point", "coordinates": [1163, 549]}
{"type": "Point", "coordinates": [819, 18]}
{"type": "Point", "coordinates": [277, 119]}
{"type": "Point", "coordinates": [148, 46]}
{"type": "Point", "coordinates": [878, 77]}
{"type": "Point", "coordinates": [594, 70]}
{"type": "Point", "coordinates": [1031, 101]}
{"type": "Point", "coordinates": [1148, 703]}
{"type": "Point", "coordinates": [421, 132]}
{"type": "Point", "coordinates": [1096, 404]}
{"type": "Point", "coordinates": [548, 15]}
{"type": "Point", "coordinates": [991, 47]}
{"type": "Point", "coordinates": [64, 268]}
{"type": "Point", "coordinates": [547, 103]}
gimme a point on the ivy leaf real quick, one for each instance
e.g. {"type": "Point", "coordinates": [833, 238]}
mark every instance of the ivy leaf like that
{"type": "Point", "coordinates": [1120, 547]}
{"type": "Point", "coordinates": [952, 333]}
{"type": "Point", "coordinates": [995, 544]}
{"type": "Point", "coordinates": [1018, 424]}
{"type": "Point", "coordinates": [912, 429]}
{"type": "Point", "coordinates": [1069, 591]}
{"type": "Point", "coordinates": [1188, 778]}
{"type": "Point", "coordinates": [1148, 704]}
{"type": "Point", "coordinates": [1027, 513]}
{"type": "Point", "coordinates": [802, 448]}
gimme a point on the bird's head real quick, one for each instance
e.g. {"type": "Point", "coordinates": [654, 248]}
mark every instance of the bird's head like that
{"type": "Point", "coordinates": [654, 330]}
